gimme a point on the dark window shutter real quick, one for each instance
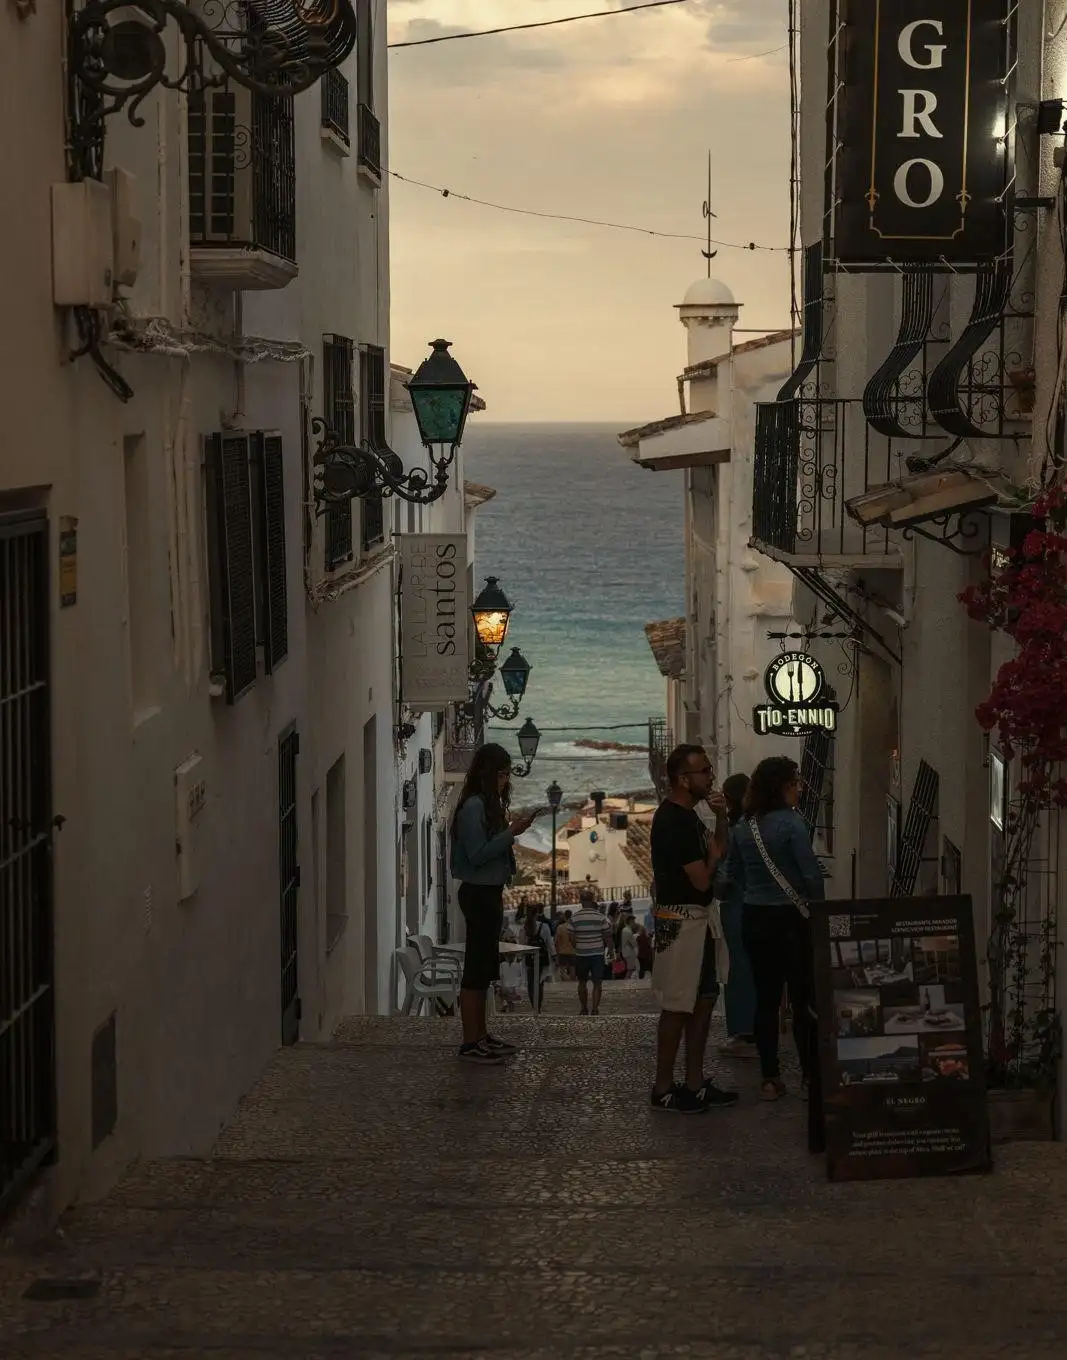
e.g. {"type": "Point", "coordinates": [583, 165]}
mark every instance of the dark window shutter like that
{"type": "Point", "coordinates": [339, 409]}
{"type": "Point", "coordinates": [372, 421]}
{"type": "Point", "coordinates": [272, 567]}
{"type": "Point", "coordinates": [235, 595]}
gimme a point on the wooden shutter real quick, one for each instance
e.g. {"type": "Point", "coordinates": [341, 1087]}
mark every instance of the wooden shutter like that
{"type": "Point", "coordinates": [275, 632]}
{"type": "Point", "coordinates": [230, 520]}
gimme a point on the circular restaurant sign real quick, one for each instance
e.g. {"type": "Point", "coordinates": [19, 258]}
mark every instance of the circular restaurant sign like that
{"type": "Point", "coordinates": [800, 701]}
{"type": "Point", "coordinates": [794, 678]}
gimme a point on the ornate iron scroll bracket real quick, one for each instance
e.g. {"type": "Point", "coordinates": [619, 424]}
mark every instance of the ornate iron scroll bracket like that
{"type": "Point", "coordinates": [345, 472]}
{"type": "Point", "coordinates": [894, 400]}
{"type": "Point", "coordinates": [959, 531]}
{"type": "Point", "coordinates": [118, 54]}
{"type": "Point", "coordinates": [825, 590]}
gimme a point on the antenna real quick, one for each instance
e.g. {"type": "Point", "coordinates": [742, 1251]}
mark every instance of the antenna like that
{"type": "Point", "coordinates": [709, 254]}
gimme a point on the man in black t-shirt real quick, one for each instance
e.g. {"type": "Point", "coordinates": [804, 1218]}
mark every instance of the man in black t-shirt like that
{"type": "Point", "coordinates": [684, 858]}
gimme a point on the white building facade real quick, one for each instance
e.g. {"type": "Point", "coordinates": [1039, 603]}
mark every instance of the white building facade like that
{"type": "Point", "coordinates": [200, 791]}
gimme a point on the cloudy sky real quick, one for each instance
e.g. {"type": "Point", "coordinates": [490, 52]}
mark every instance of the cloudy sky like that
{"type": "Point", "coordinates": [610, 118]}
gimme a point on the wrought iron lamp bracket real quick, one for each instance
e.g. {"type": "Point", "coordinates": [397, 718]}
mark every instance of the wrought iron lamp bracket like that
{"type": "Point", "coordinates": [521, 771]}
{"type": "Point", "coordinates": [967, 528]}
{"type": "Point", "coordinates": [118, 53]}
{"type": "Point", "coordinates": [345, 472]}
{"type": "Point", "coordinates": [506, 712]}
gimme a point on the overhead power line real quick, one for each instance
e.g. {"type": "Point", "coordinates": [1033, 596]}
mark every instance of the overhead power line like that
{"type": "Point", "coordinates": [583, 221]}
{"type": "Point", "coordinates": [541, 23]}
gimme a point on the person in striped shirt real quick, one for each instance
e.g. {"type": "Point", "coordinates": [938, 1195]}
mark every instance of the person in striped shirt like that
{"type": "Point", "coordinates": [592, 938]}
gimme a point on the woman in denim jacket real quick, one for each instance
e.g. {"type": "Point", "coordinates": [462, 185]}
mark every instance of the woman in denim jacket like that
{"type": "Point", "coordinates": [776, 934]}
{"type": "Point", "coordinates": [483, 860]}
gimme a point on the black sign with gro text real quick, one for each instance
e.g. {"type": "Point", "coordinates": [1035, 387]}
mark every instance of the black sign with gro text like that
{"type": "Point", "coordinates": [921, 128]}
{"type": "Point", "coordinates": [900, 1038]}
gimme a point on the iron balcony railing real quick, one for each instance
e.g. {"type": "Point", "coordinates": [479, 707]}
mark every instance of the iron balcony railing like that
{"type": "Point", "coordinates": [370, 140]}
{"type": "Point", "coordinates": [465, 733]}
{"type": "Point", "coordinates": [242, 171]}
{"type": "Point", "coordinates": [814, 455]}
{"type": "Point", "coordinates": [660, 745]}
{"type": "Point", "coordinates": [334, 88]}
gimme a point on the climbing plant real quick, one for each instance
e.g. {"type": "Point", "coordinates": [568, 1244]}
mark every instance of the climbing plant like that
{"type": "Point", "coordinates": [1024, 596]}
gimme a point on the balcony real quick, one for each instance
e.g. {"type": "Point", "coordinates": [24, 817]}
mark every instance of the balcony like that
{"type": "Point", "coordinates": [242, 188]}
{"type": "Point", "coordinates": [660, 745]}
{"type": "Point", "coordinates": [334, 92]}
{"type": "Point", "coordinates": [813, 456]}
{"type": "Point", "coordinates": [464, 734]}
{"type": "Point", "coordinates": [369, 151]}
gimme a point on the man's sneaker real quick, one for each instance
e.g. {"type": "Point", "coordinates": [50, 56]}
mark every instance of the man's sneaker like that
{"type": "Point", "coordinates": [679, 1100]}
{"type": "Point", "coordinates": [739, 1046]}
{"type": "Point", "coordinates": [480, 1053]}
{"type": "Point", "coordinates": [500, 1046]}
{"type": "Point", "coordinates": [713, 1098]}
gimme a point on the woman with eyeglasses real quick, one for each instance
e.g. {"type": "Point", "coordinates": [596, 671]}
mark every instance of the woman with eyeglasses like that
{"type": "Point", "coordinates": [772, 867]}
{"type": "Point", "coordinates": [483, 860]}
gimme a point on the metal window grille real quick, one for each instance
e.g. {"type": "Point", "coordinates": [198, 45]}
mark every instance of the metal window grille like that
{"type": "Point", "coordinates": [922, 811]}
{"type": "Point", "coordinates": [370, 140]}
{"type": "Point", "coordinates": [289, 883]}
{"type": "Point", "coordinates": [334, 88]}
{"type": "Point", "coordinates": [442, 887]}
{"type": "Point", "coordinates": [242, 171]}
{"type": "Point", "coordinates": [817, 792]}
{"type": "Point", "coordinates": [372, 386]}
{"type": "Point", "coordinates": [660, 745]}
{"type": "Point", "coordinates": [27, 1024]}
{"type": "Point", "coordinates": [339, 410]}
{"type": "Point", "coordinates": [232, 559]}
{"type": "Point", "coordinates": [271, 566]}
{"type": "Point", "coordinates": [951, 868]}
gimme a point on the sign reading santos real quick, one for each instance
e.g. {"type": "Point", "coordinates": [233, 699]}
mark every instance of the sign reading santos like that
{"type": "Point", "coordinates": [920, 127]}
{"type": "Point", "coordinates": [799, 699]}
{"type": "Point", "coordinates": [434, 619]}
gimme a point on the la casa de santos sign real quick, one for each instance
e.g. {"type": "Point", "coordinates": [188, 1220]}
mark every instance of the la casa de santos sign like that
{"type": "Point", "coordinates": [920, 126]}
{"type": "Point", "coordinates": [434, 619]}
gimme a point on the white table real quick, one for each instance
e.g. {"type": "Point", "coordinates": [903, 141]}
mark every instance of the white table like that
{"type": "Point", "coordinates": [507, 950]}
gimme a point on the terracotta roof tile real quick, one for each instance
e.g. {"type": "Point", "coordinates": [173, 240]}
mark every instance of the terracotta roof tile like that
{"type": "Point", "coordinates": [667, 640]}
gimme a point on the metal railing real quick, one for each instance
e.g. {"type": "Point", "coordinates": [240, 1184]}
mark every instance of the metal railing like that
{"type": "Point", "coordinates": [465, 733]}
{"type": "Point", "coordinates": [334, 87]}
{"type": "Point", "coordinates": [813, 455]}
{"type": "Point", "coordinates": [660, 745]}
{"type": "Point", "coordinates": [567, 894]}
{"type": "Point", "coordinates": [370, 140]}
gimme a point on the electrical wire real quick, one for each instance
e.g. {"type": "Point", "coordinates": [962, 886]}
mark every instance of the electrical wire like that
{"type": "Point", "coordinates": [754, 56]}
{"type": "Point", "coordinates": [584, 221]}
{"type": "Point", "coordinates": [541, 23]}
{"type": "Point", "coordinates": [586, 727]}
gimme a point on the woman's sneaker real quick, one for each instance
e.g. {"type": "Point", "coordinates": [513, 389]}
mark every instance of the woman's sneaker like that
{"type": "Point", "coordinates": [480, 1053]}
{"type": "Point", "coordinates": [500, 1046]}
{"type": "Point", "coordinates": [679, 1100]}
{"type": "Point", "coordinates": [715, 1099]}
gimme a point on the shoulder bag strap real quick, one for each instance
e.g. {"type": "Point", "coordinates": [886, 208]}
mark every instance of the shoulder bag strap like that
{"type": "Point", "coordinates": [776, 873]}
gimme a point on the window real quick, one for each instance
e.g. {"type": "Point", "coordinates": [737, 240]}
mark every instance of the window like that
{"type": "Point", "coordinates": [336, 855]}
{"type": "Point", "coordinates": [369, 132]}
{"type": "Point", "coordinates": [334, 88]}
{"type": "Point", "coordinates": [372, 389]}
{"type": "Point", "coordinates": [246, 555]}
{"type": "Point", "coordinates": [339, 412]}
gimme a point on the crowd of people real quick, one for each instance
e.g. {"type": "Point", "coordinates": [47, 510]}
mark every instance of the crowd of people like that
{"type": "Point", "coordinates": [733, 871]}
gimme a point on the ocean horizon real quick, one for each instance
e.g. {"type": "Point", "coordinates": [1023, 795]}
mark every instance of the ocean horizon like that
{"type": "Point", "coordinates": [588, 547]}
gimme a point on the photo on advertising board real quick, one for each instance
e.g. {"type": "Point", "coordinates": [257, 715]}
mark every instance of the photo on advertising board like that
{"type": "Point", "coordinates": [900, 1038]}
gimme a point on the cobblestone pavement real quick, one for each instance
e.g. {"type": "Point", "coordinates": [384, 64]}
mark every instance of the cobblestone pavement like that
{"type": "Point", "coordinates": [373, 1198]}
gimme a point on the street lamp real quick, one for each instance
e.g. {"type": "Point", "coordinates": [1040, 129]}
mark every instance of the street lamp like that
{"type": "Point", "coordinates": [529, 740]}
{"type": "Point", "coordinates": [441, 395]}
{"type": "Point", "coordinates": [491, 612]}
{"type": "Point", "coordinates": [515, 673]}
{"type": "Point", "coordinates": [554, 795]}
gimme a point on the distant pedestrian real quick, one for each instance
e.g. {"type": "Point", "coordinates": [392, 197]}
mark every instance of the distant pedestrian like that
{"type": "Point", "coordinates": [483, 860]}
{"type": "Point", "coordinates": [592, 938]}
{"type": "Point", "coordinates": [775, 870]}
{"type": "Point", "coordinates": [645, 951]}
{"type": "Point", "coordinates": [684, 980]}
{"type": "Point", "coordinates": [628, 946]}
{"type": "Point", "coordinates": [538, 934]}
{"type": "Point", "coordinates": [740, 987]}
{"type": "Point", "coordinates": [565, 946]}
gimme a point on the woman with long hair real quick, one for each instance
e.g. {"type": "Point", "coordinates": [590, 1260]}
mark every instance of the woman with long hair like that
{"type": "Point", "coordinates": [740, 989]}
{"type": "Point", "coordinates": [773, 868]}
{"type": "Point", "coordinates": [483, 860]}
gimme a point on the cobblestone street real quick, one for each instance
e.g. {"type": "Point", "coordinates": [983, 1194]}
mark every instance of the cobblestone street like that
{"type": "Point", "coordinates": [373, 1198]}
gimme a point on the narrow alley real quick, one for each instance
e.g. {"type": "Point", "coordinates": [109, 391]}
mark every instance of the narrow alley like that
{"type": "Point", "coordinates": [373, 1198]}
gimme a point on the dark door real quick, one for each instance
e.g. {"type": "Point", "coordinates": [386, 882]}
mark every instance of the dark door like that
{"type": "Point", "coordinates": [27, 1026]}
{"type": "Point", "coordinates": [289, 883]}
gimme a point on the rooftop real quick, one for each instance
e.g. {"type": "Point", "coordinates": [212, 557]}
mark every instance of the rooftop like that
{"type": "Point", "coordinates": [475, 494]}
{"type": "Point", "coordinates": [667, 640]}
{"type": "Point", "coordinates": [630, 439]}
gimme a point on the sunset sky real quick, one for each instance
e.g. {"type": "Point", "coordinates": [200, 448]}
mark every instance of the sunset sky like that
{"type": "Point", "coordinates": [609, 118]}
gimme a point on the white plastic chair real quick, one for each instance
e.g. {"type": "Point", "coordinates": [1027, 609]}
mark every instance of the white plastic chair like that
{"type": "Point", "coordinates": [428, 953]}
{"type": "Point", "coordinates": [425, 983]}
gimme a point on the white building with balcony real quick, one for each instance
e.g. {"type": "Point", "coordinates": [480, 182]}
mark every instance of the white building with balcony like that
{"type": "Point", "coordinates": [198, 777]}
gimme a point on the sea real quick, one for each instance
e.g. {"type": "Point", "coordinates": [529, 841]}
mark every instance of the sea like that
{"type": "Point", "coordinates": [589, 548]}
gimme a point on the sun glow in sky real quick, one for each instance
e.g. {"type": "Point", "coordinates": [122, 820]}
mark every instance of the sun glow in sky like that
{"type": "Point", "coordinates": [610, 118]}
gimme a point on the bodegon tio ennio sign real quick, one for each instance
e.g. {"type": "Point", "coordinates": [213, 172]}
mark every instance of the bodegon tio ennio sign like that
{"type": "Point", "coordinates": [921, 127]}
{"type": "Point", "coordinates": [799, 702]}
{"type": "Point", "coordinates": [434, 619]}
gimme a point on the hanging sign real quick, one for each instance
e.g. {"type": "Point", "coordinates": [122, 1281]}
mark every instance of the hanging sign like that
{"type": "Point", "coordinates": [921, 123]}
{"type": "Point", "coordinates": [900, 1038]}
{"type": "Point", "coordinates": [799, 699]}
{"type": "Point", "coordinates": [434, 620]}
